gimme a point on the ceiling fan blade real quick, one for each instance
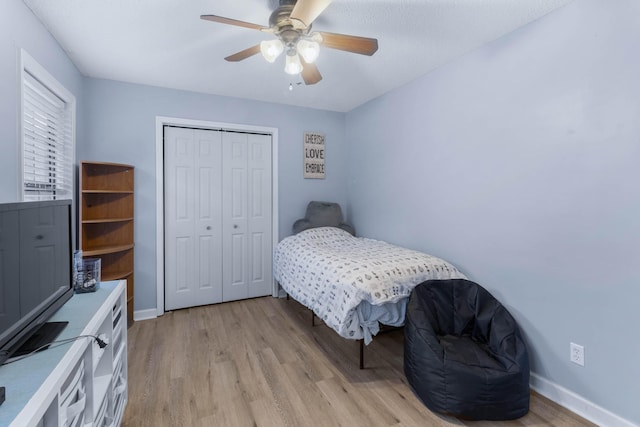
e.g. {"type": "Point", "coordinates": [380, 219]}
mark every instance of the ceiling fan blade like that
{"type": "Point", "coordinates": [306, 11]}
{"type": "Point", "coordinates": [355, 44]}
{"type": "Point", "coordinates": [243, 54]}
{"type": "Point", "coordinates": [310, 74]}
{"type": "Point", "coordinates": [230, 21]}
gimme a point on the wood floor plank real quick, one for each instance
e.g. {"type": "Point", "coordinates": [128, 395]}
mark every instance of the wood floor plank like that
{"type": "Point", "coordinates": [346, 405]}
{"type": "Point", "coordinates": [234, 409]}
{"type": "Point", "coordinates": [259, 362]}
{"type": "Point", "coordinates": [291, 408]}
{"type": "Point", "coordinates": [316, 403]}
{"type": "Point", "coordinates": [265, 414]}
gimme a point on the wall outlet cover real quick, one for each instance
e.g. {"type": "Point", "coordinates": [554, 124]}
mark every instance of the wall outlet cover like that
{"type": "Point", "coordinates": [577, 354]}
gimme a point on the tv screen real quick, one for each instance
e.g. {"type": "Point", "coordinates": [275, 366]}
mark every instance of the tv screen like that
{"type": "Point", "coordinates": [36, 279]}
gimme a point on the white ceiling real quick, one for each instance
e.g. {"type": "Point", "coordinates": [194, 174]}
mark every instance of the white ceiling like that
{"type": "Point", "coordinates": [165, 43]}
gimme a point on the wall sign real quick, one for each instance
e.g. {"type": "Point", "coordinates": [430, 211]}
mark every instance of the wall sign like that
{"type": "Point", "coordinates": [313, 155]}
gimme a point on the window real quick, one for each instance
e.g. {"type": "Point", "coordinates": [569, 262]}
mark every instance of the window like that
{"type": "Point", "coordinates": [48, 134]}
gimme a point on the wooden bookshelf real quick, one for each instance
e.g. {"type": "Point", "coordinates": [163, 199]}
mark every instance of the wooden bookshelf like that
{"type": "Point", "coordinates": [106, 221]}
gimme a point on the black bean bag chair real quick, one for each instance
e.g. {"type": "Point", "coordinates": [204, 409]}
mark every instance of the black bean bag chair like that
{"type": "Point", "coordinates": [464, 354]}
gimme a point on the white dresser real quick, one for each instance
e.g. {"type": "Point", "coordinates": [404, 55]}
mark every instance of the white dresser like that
{"type": "Point", "coordinates": [78, 383]}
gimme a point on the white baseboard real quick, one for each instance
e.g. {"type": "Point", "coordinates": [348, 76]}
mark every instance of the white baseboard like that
{"type": "Point", "coordinates": [150, 313]}
{"type": "Point", "coordinates": [577, 404]}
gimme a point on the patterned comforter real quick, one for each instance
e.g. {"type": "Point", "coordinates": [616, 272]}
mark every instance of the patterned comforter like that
{"type": "Point", "coordinates": [349, 281]}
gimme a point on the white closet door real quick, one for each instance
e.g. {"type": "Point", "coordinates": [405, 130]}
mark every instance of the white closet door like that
{"type": "Point", "coordinates": [246, 224]}
{"type": "Point", "coordinates": [218, 204]}
{"type": "Point", "coordinates": [193, 217]}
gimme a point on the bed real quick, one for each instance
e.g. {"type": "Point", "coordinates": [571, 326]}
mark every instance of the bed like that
{"type": "Point", "coordinates": [354, 284]}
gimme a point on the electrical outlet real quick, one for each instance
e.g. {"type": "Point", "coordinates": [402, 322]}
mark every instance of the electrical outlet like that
{"type": "Point", "coordinates": [577, 354]}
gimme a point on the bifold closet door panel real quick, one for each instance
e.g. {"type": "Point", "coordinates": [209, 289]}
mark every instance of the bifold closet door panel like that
{"type": "Point", "coordinates": [192, 214]}
{"type": "Point", "coordinates": [247, 215]}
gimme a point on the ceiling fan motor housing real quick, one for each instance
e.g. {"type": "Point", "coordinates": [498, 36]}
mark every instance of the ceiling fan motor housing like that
{"type": "Point", "coordinates": [280, 16]}
{"type": "Point", "coordinates": [288, 3]}
{"type": "Point", "coordinates": [282, 25]}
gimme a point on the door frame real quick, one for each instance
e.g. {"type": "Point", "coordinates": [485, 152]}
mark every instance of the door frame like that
{"type": "Point", "coordinates": [161, 122]}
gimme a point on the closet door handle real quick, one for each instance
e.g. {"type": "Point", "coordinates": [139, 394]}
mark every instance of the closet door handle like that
{"type": "Point", "coordinates": [208, 227]}
{"type": "Point", "coordinates": [235, 225]}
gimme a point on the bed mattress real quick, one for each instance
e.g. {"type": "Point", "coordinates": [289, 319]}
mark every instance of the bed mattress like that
{"type": "Point", "coordinates": [353, 283]}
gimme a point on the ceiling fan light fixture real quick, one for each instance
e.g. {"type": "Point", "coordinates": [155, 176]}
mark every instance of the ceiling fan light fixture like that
{"type": "Point", "coordinates": [309, 50]}
{"type": "Point", "coordinates": [271, 49]}
{"type": "Point", "coordinates": [291, 23]}
{"type": "Point", "coordinates": [292, 63]}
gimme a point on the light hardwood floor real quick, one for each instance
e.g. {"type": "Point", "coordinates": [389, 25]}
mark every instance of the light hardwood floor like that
{"type": "Point", "coordinates": [260, 362]}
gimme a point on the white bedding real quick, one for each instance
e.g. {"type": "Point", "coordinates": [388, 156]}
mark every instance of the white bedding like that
{"type": "Point", "coordinates": [352, 283]}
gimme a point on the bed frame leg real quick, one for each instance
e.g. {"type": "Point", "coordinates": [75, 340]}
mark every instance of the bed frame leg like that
{"type": "Point", "coordinates": [313, 318]}
{"type": "Point", "coordinates": [361, 354]}
{"type": "Point", "coordinates": [287, 297]}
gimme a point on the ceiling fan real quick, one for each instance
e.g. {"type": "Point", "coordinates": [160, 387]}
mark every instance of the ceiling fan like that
{"type": "Point", "coordinates": [291, 24]}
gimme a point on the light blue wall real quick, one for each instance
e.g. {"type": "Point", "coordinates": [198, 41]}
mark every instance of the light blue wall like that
{"type": "Point", "coordinates": [519, 163]}
{"type": "Point", "coordinates": [121, 127]}
{"type": "Point", "coordinates": [19, 29]}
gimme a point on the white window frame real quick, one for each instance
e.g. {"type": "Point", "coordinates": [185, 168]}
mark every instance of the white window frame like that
{"type": "Point", "coordinates": [30, 66]}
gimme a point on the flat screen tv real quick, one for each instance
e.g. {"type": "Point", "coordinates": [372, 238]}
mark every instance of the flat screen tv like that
{"type": "Point", "coordinates": [36, 279]}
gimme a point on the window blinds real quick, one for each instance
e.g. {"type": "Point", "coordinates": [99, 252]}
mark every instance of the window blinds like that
{"type": "Point", "coordinates": [47, 143]}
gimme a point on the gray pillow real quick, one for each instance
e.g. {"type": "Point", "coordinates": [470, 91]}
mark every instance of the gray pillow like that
{"type": "Point", "coordinates": [322, 214]}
